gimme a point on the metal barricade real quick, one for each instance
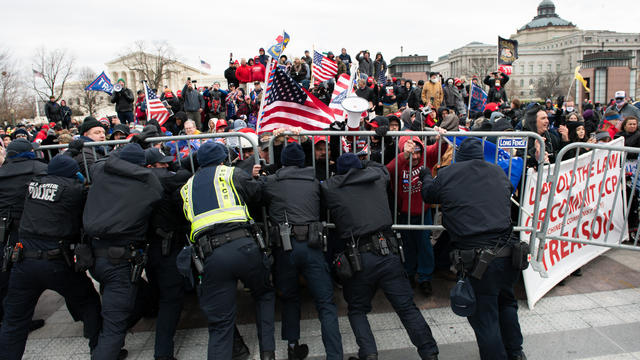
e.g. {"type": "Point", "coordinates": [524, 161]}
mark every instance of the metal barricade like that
{"type": "Point", "coordinates": [366, 137]}
{"type": "Point", "coordinates": [108, 146]}
{"type": "Point", "coordinates": [579, 188]}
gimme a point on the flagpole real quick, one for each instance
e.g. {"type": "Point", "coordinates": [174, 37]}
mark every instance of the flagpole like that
{"type": "Point", "coordinates": [313, 48]}
{"type": "Point", "coordinates": [37, 108]}
{"type": "Point", "coordinates": [264, 92]}
{"type": "Point", "coordinates": [146, 98]}
{"type": "Point", "coordinates": [569, 92]}
{"type": "Point", "coordinates": [470, 94]}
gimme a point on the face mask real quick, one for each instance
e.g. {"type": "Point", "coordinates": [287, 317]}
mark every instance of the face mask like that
{"type": "Point", "coordinates": [569, 108]}
{"type": "Point", "coordinates": [620, 102]}
{"type": "Point", "coordinates": [497, 84]}
{"type": "Point", "coordinates": [450, 82]}
{"type": "Point", "coordinates": [434, 80]}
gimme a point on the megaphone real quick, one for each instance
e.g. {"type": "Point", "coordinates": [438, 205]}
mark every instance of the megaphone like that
{"type": "Point", "coordinates": [354, 106]}
{"type": "Point", "coordinates": [117, 87]}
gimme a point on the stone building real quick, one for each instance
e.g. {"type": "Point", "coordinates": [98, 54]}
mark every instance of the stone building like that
{"type": "Point", "coordinates": [412, 67]}
{"type": "Point", "coordinates": [548, 44]}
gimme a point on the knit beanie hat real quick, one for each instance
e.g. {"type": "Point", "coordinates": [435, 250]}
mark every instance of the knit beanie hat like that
{"type": "Point", "coordinates": [292, 155]}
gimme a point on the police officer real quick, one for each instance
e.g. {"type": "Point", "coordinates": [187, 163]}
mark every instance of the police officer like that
{"type": "Point", "coordinates": [167, 233]}
{"type": "Point", "coordinates": [51, 221]}
{"type": "Point", "coordinates": [293, 198]}
{"type": "Point", "coordinates": [475, 197]}
{"type": "Point", "coordinates": [215, 199]}
{"type": "Point", "coordinates": [116, 218]}
{"type": "Point", "coordinates": [19, 167]}
{"type": "Point", "coordinates": [357, 198]}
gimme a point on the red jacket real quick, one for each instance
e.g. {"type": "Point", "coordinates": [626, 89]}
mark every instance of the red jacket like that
{"type": "Point", "coordinates": [416, 182]}
{"type": "Point", "coordinates": [243, 74]}
{"type": "Point", "coordinates": [257, 72]}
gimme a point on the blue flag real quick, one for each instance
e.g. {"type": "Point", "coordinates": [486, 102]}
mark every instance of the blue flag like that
{"type": "Point", "coordinates": [503, 159]}
{"type": "Point", "coordinates": [281, 43]}
{"type": "Point", "coordinates": [101, 83]}
{"type": "Point", "coordinates": [478, 98]}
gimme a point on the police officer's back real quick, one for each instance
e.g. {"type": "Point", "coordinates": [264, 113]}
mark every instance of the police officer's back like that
{"type": "Point", "coordinates": [19, 167]}
{"type": "Point", "coordinates": [292, 195]}
{"type": "Point", "coordinates": [357, 198]}
{"type": "Point", "coordinates": [51, 221]}
{"type": "Point", "coordinates": [215, 202]}
{"type": "Point", "coordinates": [475, 197]}
{"type": "Point", "coordinates": [116, 218]}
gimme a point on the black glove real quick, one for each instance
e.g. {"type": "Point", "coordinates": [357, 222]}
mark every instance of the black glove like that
{"type": "Point", "coordinates": [140, 139]}
{"type": "Point", "coordinates": [337, 126]}
{"type": "Point", "coordinates": [424, 172]}
{"type": "Point", "coordinates": [75, 147]}
{"type": "Point", "coordinates": [382, 130]}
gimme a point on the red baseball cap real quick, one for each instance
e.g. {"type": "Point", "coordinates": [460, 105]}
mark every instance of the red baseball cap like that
{"type": "Point", "coordinates": [492, 106]}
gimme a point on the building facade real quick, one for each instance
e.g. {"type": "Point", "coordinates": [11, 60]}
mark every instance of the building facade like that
{"type": "Point", "coordinates": [412, 67]}
{"type": "Point", "coordinates": [605, 73]}
{"type": "Point", "coordinates": [547, 45]}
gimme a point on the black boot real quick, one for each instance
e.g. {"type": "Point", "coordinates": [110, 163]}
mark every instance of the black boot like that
{"type": "Point", "coordinates": [123, 354]}
{"type": "Point", "coordinates": [267, 355]}
{"type": "Point", "coordinates": [298, 352]}
{"type": "Point", "coordinates": [240, 349]}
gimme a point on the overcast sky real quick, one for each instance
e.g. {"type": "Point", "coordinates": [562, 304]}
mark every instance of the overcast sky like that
{"type": "Point", "coordinates": [98, 31]}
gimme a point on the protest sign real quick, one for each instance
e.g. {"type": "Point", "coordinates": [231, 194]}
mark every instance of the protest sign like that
{"type": "Point", "coordinates": [586, 215]}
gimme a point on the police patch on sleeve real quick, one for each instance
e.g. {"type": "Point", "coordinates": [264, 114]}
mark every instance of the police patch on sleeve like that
{"type": "Point", "coordinates": [44, 191]}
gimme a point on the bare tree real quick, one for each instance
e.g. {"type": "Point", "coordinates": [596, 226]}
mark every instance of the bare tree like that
{"type": "Point", "coordinates": [12, 90]}
{"type": "Point", "coordinates": [56, 67]}
{"type": "Point", "coordinates": [551, 84]}
{"type": "Point", "coordinates": [153, 62]}
{"type": "Point", "coordinates": [90, 100]}
{"type": "Point", "coordinates": [481, 67]}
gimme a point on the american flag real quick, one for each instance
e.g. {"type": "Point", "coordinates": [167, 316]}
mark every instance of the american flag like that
{"type": "Point", "coordinates": [155, 108]}
{"type": "Point", "coordinates": [205, 64]}
{"type": "Point", "coordinates": [323, 67]}
{"type": "Point", "coordinates": [289, 105]}
{"type": "Point", "coordinates": [339, 93]}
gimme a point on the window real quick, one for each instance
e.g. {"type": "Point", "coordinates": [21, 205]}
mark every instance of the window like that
{"type": "Point", "coordinates": [549, 68]}
{"type": "Point", "coordinates": [530, 68]}
{"type": "Point", "coordinates": [531, 81]}
{"type": "Point", "coordinates": [521, 82]}
{"type": "Point", "coordinates": [540, 68]}
{"type": "Point", "coordinates": [558, 67]}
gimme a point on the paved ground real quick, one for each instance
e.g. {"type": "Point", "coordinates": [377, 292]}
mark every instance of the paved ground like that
{"type": "Point", "coordinates": [596, 316]}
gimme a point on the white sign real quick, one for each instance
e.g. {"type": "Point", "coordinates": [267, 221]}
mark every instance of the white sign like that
{"type": "Point", "coordinates": [600, 220]}
{"type": "Point", "coordinates": [513, 143]}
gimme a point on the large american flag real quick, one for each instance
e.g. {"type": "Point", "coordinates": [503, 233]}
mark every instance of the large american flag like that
{"type": "Point", "coordinates": [339, 93]}
{"type": "Point", "coordinates": [155, 108]}
{"type": "Point", "coordinates": [289, 105]}
{"type": "Point", "coordinates": [323, 67]}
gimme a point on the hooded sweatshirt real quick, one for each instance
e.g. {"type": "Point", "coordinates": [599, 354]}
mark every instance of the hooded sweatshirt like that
{"type": "Point", "coordinates": [405, 177]}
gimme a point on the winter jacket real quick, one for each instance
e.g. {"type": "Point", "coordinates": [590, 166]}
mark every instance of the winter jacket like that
{"type": "Point", "coordinates": [491, 82]}
{"type": "Point", "coordinates": [627, 110]}
{"type": "Point", "coordinates": [230, 75]}
{"type": "Point", "coordinates": [475, 198]}
{"type": "Point", "coordinates": [123, 99]}
{"type": "Point", "coordinates": [346, 59]}
{"type": "Point", "coordinates": [379, 69]}
{"type": "Point", "coordinates": [358, 200]}
{"type": "Point", "coordinates": [243, 74]}
{"type": "Point", "coordinates": [404, 177]}
{"type": "Point", "coordinates": [193, 101]}
{"type": "Point", "coordinates": [53, 111]}
{"type": "Point", "coordinates": [298, 73]}
{"type": "Point", "coordinates": [120, 202]}
{"type": "Point", "coordinates": [258, 72]}
{"type": "Point", "coordinates": [365, 66]}
{"type": "Point", "coordinates": [15, 175]}
{"type": "Point", "coordinates": [65, 112]}
{"type": "Point", "coordinates": [295, 190]}
{"type": "Point", "coordinates": [451, 96]}
{"type": "Point", "coordinates": [497, 94]}
{"type": "Point", "coordinates": [432, 90]}
{"type": "Point", "coordinates": [415, 98]}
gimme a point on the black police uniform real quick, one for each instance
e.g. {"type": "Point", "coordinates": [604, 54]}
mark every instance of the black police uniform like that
{"type": "Point", "coordinates": [475, 197]}
{"type": "Point", "coordinates": [51, 220]}
{"type": "Point", "coordinates": [360, 210]}
{"type": "Point", "coordinates": [15, 175]}
{"type": "Point", "coordinates": [116, 218]}
{"type": "Point", "coordinates": [215, 203]}
{"type": "Point", "coordinates": [295, 191]}
{"type": "Point", "coordinates": [167, 233]}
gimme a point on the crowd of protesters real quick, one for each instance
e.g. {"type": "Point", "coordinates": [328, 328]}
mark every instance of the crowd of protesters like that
{"type": "Point", "coordinates": [395, 104]}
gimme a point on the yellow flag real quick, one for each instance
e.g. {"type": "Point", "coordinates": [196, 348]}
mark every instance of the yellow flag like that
{"type": "Point", "coordinates": [581, 79]}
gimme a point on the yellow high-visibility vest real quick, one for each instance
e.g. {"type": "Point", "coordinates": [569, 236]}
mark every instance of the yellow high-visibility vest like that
{"type": "Point", "coordinates": [205, 205]}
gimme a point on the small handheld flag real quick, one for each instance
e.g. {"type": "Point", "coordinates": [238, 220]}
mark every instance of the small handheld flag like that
{"type": "Point", "coordinates": [101, 83]}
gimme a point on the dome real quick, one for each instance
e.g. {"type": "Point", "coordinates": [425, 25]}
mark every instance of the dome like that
{"type": "Point", "coordinates": [546, 17]}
